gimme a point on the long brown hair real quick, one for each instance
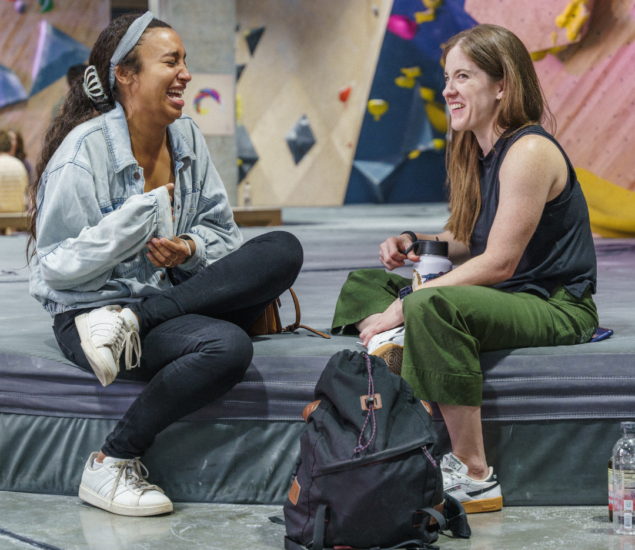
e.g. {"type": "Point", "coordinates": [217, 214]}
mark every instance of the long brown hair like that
{"type": "Point", "coordinates": [78, 108]}
{"type": "Point", "coordinates": [502, 55]}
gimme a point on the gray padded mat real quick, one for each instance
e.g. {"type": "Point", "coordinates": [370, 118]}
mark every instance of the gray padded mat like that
{"type": "Point", "coordinates": [584, 381]}
{"type": "Point", "coordinates": [538, 403]}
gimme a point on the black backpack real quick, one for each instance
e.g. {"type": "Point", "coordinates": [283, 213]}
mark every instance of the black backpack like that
{"type": "Point", "coordinates": [369, 474]}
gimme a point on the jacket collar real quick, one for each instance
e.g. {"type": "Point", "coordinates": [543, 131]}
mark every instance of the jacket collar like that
{"type": "Point", "coordinates": [118, 140]}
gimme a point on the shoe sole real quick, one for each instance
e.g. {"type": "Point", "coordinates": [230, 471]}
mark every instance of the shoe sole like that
{"type": "Point", "coordinates": [123, 509]}
{"type": "Point", "coordinates": [483, 505]}
{"type": "Point", "coordinates": [392, 354]}
{"type": "Point", "coordinates": [97, 362]}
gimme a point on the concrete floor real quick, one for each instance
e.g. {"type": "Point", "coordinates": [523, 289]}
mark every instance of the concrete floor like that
{"type": "Point", "coordinates": [66, 523]}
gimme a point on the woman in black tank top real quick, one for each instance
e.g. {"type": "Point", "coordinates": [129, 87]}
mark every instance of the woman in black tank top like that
{"type": "Point", "coordinates": [519, 227]}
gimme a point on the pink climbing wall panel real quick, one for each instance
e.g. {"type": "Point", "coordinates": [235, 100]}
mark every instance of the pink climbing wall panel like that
{"type": "Point", "coordinates": [589, 90]}
{"type": "Point", "coordinates": [533, 22]}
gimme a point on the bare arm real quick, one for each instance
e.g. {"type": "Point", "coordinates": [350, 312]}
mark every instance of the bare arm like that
{"type": "Point", "coordinates": [533, 173]}
{"type": "Point", "coordinates": [391, 251]}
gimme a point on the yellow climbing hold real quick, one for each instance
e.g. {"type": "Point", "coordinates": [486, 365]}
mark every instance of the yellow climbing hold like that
{"type": "Point", "coordinates": [538, 56]}
{"type": "Point", "coordinates": [405, 82]}
{"type": "Point", "coordinates": [438, 144]}
{"type": "Point", "coordinates": [574, 16]}
{"type": "Point", "coordinates": [239, 107]}
{"type": "Point", "coordinates": [427, 94]}
{"type": "Point", "coordinates": [239, 162]}
{"type": "Point", "coordinates": [424, 16]}
{"type": "Point", "coordinates": [377, 108]}
{"type": "Point", "coordinates": [414, 154]}
{"type": "Point", "coordinates": [437, 116]}
{"type": "Point", "coordinates": [408, 78]}
{"type": "Point", "coordinates": [432, 4]}
{"type": "Point", "coordinates": [411, 72]}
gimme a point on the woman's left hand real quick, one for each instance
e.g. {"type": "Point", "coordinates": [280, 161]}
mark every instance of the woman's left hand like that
{"type": "Point", "coordinates": [389, 319]}
{"type": "Point", "coordinates": [166, 253]}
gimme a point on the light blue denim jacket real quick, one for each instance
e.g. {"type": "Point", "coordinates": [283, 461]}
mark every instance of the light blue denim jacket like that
{"type": "Point", "coordinates": [94, 219]}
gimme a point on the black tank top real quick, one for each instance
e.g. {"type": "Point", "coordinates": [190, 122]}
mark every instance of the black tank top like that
{"type": "Point", "coordinates": [561, 251]}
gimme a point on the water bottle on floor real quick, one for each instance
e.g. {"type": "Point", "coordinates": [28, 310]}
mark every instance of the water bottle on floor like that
{"type": "Point", "coordinates": [624, 481]}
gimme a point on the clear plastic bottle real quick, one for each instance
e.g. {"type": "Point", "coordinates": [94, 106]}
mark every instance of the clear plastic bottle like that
{"type": "Point", "coordinates": [624, 481]}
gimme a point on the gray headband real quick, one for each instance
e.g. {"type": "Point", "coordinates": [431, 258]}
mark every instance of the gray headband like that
{"type": "Point", "coordinates": [129, 41]}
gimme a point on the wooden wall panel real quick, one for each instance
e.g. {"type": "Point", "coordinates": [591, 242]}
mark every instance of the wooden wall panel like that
{"type": "Point", "coordinates": [309, 51]}
{"type": "Point", "coordinates": [81, 19]}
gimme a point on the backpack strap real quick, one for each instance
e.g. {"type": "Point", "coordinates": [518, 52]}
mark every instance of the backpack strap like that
{"type": "Point", "coordinates": [319, 530]}
{"type": "Point", "coordinates": [438, 516]}
{"type": "Point", "coordinates": [297, 325]}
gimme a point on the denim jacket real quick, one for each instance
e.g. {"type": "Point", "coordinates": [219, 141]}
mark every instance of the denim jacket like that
{"type": "Point", "coordinates": [94, 219]}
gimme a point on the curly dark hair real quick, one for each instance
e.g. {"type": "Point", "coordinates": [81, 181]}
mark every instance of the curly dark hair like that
{"type": "Point", "coordinates": [78, 107]}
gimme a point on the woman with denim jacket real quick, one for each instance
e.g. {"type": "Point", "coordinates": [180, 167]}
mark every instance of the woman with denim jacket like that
{"type": "Point", "coordinates": [136, 250]}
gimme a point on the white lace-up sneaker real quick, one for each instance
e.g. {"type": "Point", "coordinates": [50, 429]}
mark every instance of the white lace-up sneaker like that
{"type": "Point", "coordinates": [119, 486]}
{"type": "Point", "coordinates": [104, 334]}
{"type": "Point", "coordinates": [475, 495]}
{"type": "Point", "coordinates": [389, 346]}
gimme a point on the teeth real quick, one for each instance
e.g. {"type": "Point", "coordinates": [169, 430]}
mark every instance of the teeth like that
{"type": "Point", "coordinates": [454, 106]}
{"type": "Point", "coordinates": [178, 93]}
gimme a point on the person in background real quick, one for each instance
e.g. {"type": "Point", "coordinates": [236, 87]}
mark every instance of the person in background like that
{"type": "Point", "coordinates": [17, 151]}
{"type": "Point", "coordinates": [14, 178]}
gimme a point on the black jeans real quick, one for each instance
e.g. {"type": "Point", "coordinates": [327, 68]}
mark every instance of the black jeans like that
{"type": "Point", "coordinates": [195, 348]}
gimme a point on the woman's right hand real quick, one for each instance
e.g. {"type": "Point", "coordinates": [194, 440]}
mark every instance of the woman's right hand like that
{"type": "Point", "coordinates": [391, 252]}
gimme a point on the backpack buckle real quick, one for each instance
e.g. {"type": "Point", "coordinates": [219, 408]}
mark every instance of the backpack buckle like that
{"type": "Point", "coordinates": [368, 400]}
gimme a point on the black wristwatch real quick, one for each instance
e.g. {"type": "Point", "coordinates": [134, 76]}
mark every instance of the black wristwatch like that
{"type": "Point", "coordinates": [405, 291]}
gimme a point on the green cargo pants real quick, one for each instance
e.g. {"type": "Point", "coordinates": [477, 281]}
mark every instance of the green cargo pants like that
{"type": "Point", "coordinates": [447, 328]}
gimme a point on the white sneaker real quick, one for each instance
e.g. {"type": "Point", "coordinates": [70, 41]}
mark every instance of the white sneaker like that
{"type": "Point", "coordinates": [389, 346]}
{"type": "Point", "coordinates": [119, 486]}
{"type": "Point", "coordinates": [104, 334]}
{"type": "Point", "coordinates": [475, 495]}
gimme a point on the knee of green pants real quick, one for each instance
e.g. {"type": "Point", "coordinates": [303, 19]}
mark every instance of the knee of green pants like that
{"type": "Point", "coordinates": [440, 356]}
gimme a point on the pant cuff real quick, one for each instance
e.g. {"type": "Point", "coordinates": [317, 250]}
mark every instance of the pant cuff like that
{"type": "Point", "coordinates": [444, 388]}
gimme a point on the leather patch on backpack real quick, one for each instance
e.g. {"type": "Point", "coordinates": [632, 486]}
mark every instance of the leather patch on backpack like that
{"type": "Point", "coordinates": [376, 401]}
{"type": "Point", "coordinates": [427, 407]}
{"type": "Point", "coordinates": [309, 409]}
{"type": "Point", "coordinates": [294, 493]}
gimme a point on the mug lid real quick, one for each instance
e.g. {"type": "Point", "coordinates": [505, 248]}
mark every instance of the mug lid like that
{"type": "Point", "coordinates": [434, 248]}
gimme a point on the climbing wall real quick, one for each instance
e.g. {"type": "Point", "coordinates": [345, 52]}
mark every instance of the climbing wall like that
{"type": "Point", "coordinates": [400, 157]}
{"type": "Point", "coordinates": [71, 26]}
{"type": "Point", "coordinates": [305, 71]}
{"type": "Point", "coordinates": [588, 84]}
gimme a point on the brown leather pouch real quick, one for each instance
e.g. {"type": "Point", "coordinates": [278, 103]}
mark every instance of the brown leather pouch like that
{"type": "Point", "coordinates": [269, 321]}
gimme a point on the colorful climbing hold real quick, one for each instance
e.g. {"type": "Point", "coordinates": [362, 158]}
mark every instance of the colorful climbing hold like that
{"type": "Point", "coordinates": [206, 92]}
{"type": "Point", "coordinates": [414, 154]}
{"type": "Point", "coordinates": [411, 72]}
{"type": "Point", "coordinates": [432, 4]}
{"type": "Point", "coordinates": [437, 116]}
{"type": "Point", "coordinates": [427, 94]}
{"type": "Point", "coordinates": [402, 26]}
{"type": "Point", "coordinates": [438, 143]}
{"type": "Point", "coordinates": [405, 82]}
{"type": "Point", "coordinates": [377, 108]}
{"type": "Point", "coordinates": [424, 16]}
{"type": "Point", "coordinates": [345, 93]}
{"type": "Point", "coordinates": [47, 5]}
{"type": "Point", "coordinates": [538, 56]}
{"type": "Point", "coordinates": [19, 6]}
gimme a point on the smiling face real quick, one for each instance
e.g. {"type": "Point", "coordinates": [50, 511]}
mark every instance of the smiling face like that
{"type": "Point", "coordinates": [471, 95]}
{"type": "Point", "coordinates": [156, 91]}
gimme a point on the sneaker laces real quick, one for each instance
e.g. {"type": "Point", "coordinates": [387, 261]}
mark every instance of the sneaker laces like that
{"type": "Point", "coordinates": [124, 337]}
{"type": "Point", "coordinates": [132, 472]}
